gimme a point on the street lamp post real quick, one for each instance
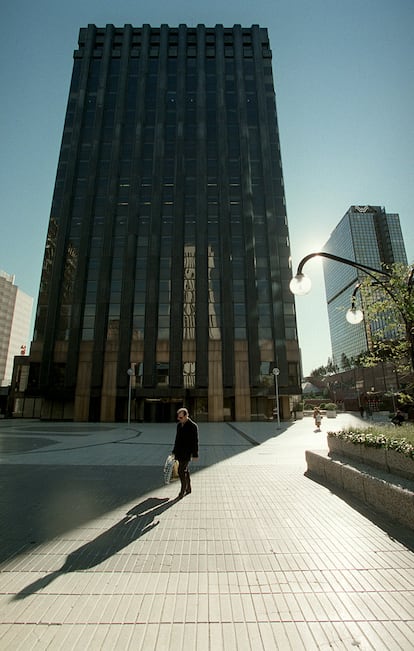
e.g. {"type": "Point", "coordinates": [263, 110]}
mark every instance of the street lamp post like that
{"type": "Point", "coordinates": [131, 373]}
{"type": "Point", "coordinates": [301, 284]}
{"type": "Point", "coordinates": [393, 399]}
{"type": "Point", "coordinates": [275, 375]}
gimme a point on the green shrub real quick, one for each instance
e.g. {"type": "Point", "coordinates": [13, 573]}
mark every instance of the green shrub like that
{"type": "Point", "coordinates": [330, 406]}
{"type": "Point", "coordinates": [298, 406]}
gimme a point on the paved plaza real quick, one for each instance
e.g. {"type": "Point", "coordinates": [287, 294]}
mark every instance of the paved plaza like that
{"type": "Point", "coordinates": [96, 553]}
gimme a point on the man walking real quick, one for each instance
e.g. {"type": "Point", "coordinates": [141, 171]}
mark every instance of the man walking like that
{"type": "Point", "coordinates": [185, 448]}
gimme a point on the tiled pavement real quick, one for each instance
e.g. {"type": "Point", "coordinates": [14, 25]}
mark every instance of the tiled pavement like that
{"type": "Point", "coordinates": [97, 554]}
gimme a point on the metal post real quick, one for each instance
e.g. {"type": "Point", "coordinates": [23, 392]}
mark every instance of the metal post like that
{"type": "Point", "coordinates": [393, 399]}
{"type": "Point", "coordinates": [275, 374]}
{"type": "Point", "coordinates": [130, 372]}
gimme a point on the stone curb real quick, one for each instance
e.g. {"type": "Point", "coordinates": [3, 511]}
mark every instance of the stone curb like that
{"type": "Point", "coordinates": [366, 484]}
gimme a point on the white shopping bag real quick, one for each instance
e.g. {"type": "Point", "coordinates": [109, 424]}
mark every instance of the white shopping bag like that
{"type": "Point", "coordinates": [168, 468]}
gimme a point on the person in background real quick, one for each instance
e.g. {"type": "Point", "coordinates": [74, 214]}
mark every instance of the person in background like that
{"type": "Point", "coordinates": [317, 417]}
{"type": "Point", "coordinates": [398, 418]}
{"type": "Point", "coordinates": [185, 448]}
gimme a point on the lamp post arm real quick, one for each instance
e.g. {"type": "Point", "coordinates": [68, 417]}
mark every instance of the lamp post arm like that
{"type": "Point", "coordinates": [370, 271]}
{"type": "Point", "coordinates": [380, 277]}
{"type": "Point", "coordinates": [354, 293]}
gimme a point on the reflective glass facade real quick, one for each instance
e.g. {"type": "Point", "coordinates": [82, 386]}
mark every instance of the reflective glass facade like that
{"type": "Point", "coordinates": [168, 244]}
{"type": "Point", "coordinates": [370, 236]}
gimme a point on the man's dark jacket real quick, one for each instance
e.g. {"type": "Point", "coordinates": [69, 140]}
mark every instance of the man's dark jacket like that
{"type": "Point", "coordinates": [186, 441]}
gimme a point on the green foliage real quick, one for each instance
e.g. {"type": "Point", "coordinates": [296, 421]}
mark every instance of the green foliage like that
{"type": "Point", "coordinates": [379, 437]}
{"type": "Point", "coordinates": [318, 372]}
{"type": "Point", "coordinates": [389, 309]}
{"type": "Point", "coordinates": [385, 350]}
{"type": "Point", "coordinates": [404, 398]}
{"type": "Point", "coordinates": [323, 371]}
{"type": "Point", "coordinates": [331, 406]}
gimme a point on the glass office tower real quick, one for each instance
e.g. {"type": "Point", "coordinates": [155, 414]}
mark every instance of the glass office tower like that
{"type": "Point", "coordinates": [168, 250]}
{"type": "Point", "coordinates": [368, 235]}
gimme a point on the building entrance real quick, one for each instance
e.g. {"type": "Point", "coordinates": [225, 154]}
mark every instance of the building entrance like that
{"type": "Point", "coordinates": [161, 411]}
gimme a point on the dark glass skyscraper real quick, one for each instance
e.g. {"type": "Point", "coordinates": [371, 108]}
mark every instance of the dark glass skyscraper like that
{"type": "Point", "coordinates": [168, 245]}
{"type": "Point", "coordinates": [368, 235]}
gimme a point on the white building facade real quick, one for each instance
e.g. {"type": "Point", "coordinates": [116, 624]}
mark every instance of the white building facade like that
{"type": "Point", "coordinates": [15, 317]}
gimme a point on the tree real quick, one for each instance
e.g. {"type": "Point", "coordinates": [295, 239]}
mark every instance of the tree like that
{"type": "Point", "coordinates": [323, 371]}
{"type": "Point", "coordinates": [388, 305]}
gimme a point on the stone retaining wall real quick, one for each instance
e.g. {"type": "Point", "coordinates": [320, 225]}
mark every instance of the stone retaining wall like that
{"type": "Point", "coordinates": [383, 491]}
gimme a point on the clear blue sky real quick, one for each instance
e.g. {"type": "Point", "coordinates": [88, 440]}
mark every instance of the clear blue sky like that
{"type": "Point", "coordinates": [344, 77]}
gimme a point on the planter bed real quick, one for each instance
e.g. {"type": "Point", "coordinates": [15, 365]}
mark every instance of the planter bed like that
{"type": "Point", "coordinates": [383, 458]}
{"type": "Point", "coordinates": [374, 465]}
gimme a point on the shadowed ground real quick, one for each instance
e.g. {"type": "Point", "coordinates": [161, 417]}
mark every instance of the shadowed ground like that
{"type": "Point", "coordinates": [98, 554]}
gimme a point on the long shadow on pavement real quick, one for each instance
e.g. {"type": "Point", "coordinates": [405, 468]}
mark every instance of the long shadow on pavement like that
{"type": "Point", "coordinates": [393, 529]}
{"type": "Point", "coordinates": [40, 503]}
{"type": "Point", "coordinates": [137, 522]}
